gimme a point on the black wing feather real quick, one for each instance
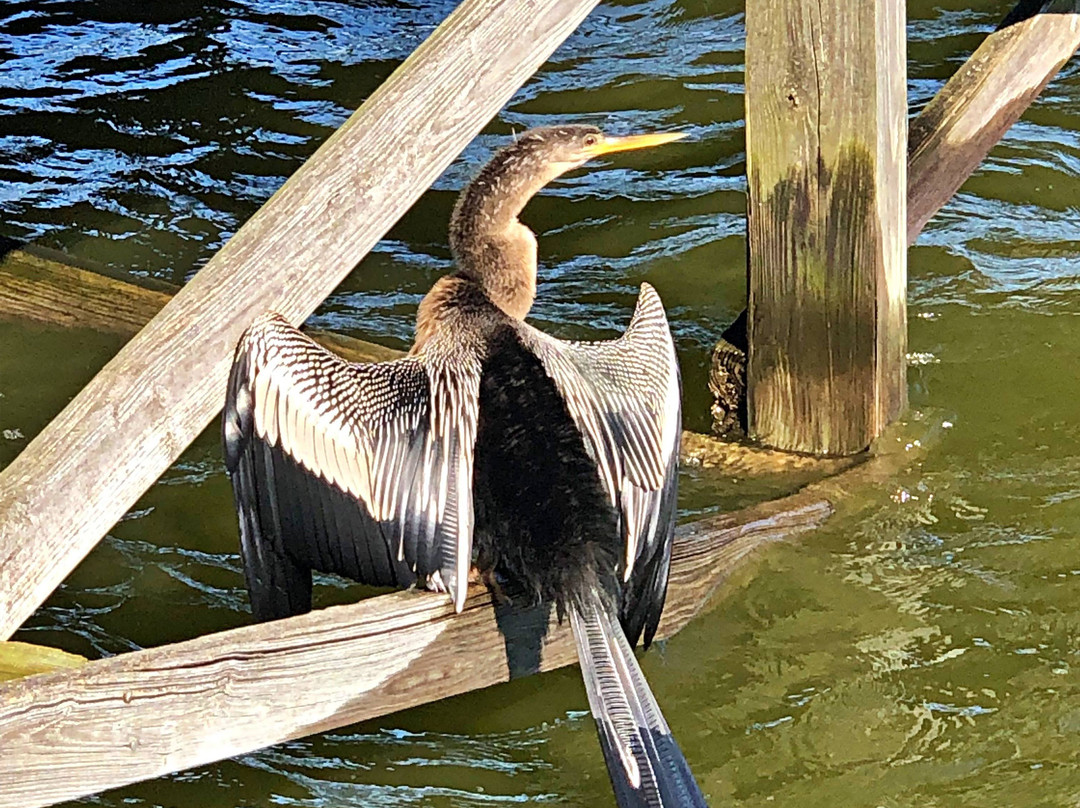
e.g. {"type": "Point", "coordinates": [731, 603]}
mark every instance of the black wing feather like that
{"type": "Point", "coordinates": [645, 590]}
{"type": "Point", "coordinates": [625, 396]}
{"type": "Point", "coordinates": [337, 467]}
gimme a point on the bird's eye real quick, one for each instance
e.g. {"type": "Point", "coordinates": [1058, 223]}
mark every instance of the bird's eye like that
{"type": "Point", "coordinates": [590, 140]}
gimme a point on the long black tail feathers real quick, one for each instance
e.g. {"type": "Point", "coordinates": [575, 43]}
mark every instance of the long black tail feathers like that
{"type": "Point", "coordinates": [646, 766]}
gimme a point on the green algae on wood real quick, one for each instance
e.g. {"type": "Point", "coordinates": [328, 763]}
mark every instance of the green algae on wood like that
{"type": "Point", "coordinates": [826, 136]}
{"type": "Point", "coordinates": [18, 659]}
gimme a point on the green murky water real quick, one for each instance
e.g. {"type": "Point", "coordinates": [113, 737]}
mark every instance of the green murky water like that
{"type": "Point", "coordinates": [920, 651]}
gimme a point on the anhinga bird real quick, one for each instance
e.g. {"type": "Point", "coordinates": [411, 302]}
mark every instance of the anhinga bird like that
{"type": "Point", "coordinates": [550, 464]}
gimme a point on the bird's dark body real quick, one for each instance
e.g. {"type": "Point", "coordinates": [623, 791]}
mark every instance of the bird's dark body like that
{"type": "Point", "coordinates": [543, 522]}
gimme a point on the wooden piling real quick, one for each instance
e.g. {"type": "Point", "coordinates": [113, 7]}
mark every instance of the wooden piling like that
{"type": "Point", "coordinates": [90, 465]}
{"type": "Point", "coordinates": [826, 136]}
{"type": "Point", "coordinates": [946, 143]}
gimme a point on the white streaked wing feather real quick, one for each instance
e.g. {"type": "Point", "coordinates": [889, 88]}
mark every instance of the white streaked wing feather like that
{"type": "Point", "coordinates": [395, 436]}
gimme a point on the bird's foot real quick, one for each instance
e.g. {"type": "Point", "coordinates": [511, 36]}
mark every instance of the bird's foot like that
{"type": "Point", "coordinates": [435, 583]}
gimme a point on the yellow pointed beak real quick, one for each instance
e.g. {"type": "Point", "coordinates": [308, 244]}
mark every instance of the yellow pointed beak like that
{"type": "Point", "coordinates": [609, 145]}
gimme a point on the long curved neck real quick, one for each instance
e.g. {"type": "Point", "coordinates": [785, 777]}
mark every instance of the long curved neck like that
{"type": "Point", "coordinates": [490, 245]}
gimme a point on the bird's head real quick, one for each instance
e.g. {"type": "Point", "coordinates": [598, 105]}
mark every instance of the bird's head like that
{"type": "Point", "coordinates": [553, 150]}
{"type": "Point", "coordinates": [489, 244]}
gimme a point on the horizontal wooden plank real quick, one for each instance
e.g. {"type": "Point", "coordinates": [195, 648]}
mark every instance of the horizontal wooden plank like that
{"type": "Point", "coordinates": [47, 287]}
{"type": "Point", "coordinates": [90, 465]}
{"type": "Point", "coordinates": [42, 286]}
{"type": "Point", "coordinates": [144, 714]}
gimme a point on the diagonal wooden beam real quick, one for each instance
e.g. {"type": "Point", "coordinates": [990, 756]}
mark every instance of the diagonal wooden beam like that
{"type": "Point", "coordinates": [986, 96]}
{"type": "Point", "coordinates": [90, 465]}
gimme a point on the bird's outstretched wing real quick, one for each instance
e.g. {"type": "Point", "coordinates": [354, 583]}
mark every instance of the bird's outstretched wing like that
{"type": "Point", "coordinates": [361, 470]}
{"type": "Point", "coordinates": [624, 395]}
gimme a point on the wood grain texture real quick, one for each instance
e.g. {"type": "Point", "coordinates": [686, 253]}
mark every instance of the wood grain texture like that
{"type": "Point", "coordinates": [89, 466]}
{"type": "Point", "coordinates": [826, 135]}
{"type": "Point", "coordinates": [986, 96]}
{"type": "Point", "coordinates": [42, 289]}
{"type": "Point", "coordinates": [144, 714]}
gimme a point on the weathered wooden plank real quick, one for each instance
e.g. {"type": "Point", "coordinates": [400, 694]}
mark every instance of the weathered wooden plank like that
{"type": "Point", "coordinates": [40, 285]}
{"type": "Point", "coordinates": [145, 714]}
{"type": "Point", "coordinates": [986, 96]}
{"type": "Point", "coordinates": [88, 467]}
{"type": "Point", "coordinates": [825, 131]}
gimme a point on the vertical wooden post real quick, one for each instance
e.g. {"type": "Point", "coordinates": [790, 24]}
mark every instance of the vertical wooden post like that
{"type": "Point", "coordinates": [826, 137]}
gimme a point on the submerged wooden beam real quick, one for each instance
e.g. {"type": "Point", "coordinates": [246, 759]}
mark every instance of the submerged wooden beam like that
{"type": "Point", "coordinates": [43, 286]}
{"type": "Point", "coordinates": [825, 134]}
{"type": "Point", "coordinates": [89, 466]}
{"type": "Point", "coordinates": [40, 285]}
{"type": "Point", "coordinates": [986, 96]}
{"type": "Point", "coordinates": [18, 659]}
{"type": "Point", "coordinates": [145, 714]}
